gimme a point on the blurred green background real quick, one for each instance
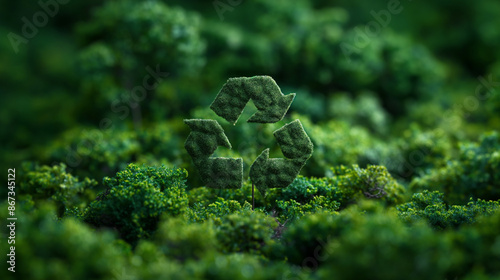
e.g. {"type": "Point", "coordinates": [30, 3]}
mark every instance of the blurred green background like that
{"type": "Point", "coordinates": [377, 82]}
{"type": "Point", "coordinates": [400, 98]}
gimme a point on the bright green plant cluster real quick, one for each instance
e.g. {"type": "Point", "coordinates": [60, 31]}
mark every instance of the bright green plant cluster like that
{"type": "Point", "coordinates": [373, 182]}
{"type": "Point", "coordinates": [292, 210]}
{"type": "Point", "coordinates": [247, 231]}
{"type": "Point", "coordinates": [473, 174]}
{"type": "Point", "coordinates": [54, 183]}
{"type": "Point", "coordinates": [200, 212]}
{"type": "Point", "coordinates": [136, 198]}
{"type": "Point", "coordinates": [431, 207]}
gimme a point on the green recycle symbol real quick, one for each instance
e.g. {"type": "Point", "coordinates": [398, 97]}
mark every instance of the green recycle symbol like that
{"type": "Point", "coordinates": [272, 105]}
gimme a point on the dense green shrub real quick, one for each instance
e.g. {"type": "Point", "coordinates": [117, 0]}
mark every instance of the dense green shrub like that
{"type": "Point", "coordinates": [292, 210]}
{"type": "Point", "coordinates": [477, 247]}
{"type": "Point", "coordinates": [53, 183]}
{"type": "Point", "coordinates": [307, 237]}
{"type": "Point", "coordinates": [126, 38]}
{"type": "Point", "coordinates": [423, 150]}
{"type": "Point", "coordinates": [214, 211]}
{"type": "Point", "coordinates": [136, 198]}
{"type": "Point", "coordinates": [373, 182]}
{"type": "Point", "coordinates": [362, 110]}
{"type": "Point", "coordinates": [380, 246]}
{"type": "Point", "coordinates": [304, 189]}
{"type": "Point", "coordinates": [237, 266]}
{"type": "Point", "coordinates": [182, 241]}
{"type": "Point", "coordinates": [65, 249]}
{"type": "Point", "coordinates": [246, 231]}
{"type": "Point", "coordinates": [473, 174]}
{"type": "Point", "coordinates": [91, 151]}
{"type": "Point", "coordinates": [431, 207]}
{"type": "Point", "coordinates": [149, 262]}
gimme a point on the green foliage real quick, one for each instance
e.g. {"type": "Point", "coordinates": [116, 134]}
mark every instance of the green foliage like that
{"type": "Point", "coordinates": [374, 182]}
{"type": "Point", "coordinates": [431, 207]}
{"type": "Point", "coordinates": [292, 210]}
{"type": "Point", "coordinates": [247, 231]}
{"type": "Point", "coordinates": [364, 109]}
{"type": "Point", "coordinates": [304, 189]}
{"type": "Point", "coordinates": [98, 152]}
{"type": "Point", "coordinates": [472, 174]}
{"type": "Point", "coordinates": [149, 262]}
{"type": "Point", "coordinates": [53, 183]}
{"type": "Point", "coordinates": [339, 143]}
{"type": "Point", "coordinates": [424, 150]}
{"type": "Point", "coordinates": [178, 240]}
{"type": "Point", "coordinates": [380, 246]}
{"type": "Point", "coordinates": [205, 137]}
{"type": "Point", "coordinates": [123, 39]}
{"type": "Point", "coordinates": [277, 172]}
{"type": "Point", "coordinates": [136, 198]}
{"type": "Point", "coordinates": [272, 105]}
{"type": "Point", "coordinates": [477, 247]}
{"type": "Point", "coordinates": [65, 249]}
{"type": "Point", "coordinates": [200, 212]}
{"type": "Point", "coordinates": [236, 266]}
{"type": "Point", "coordinates": [377, 85]}
{"type": "Point", "coordinates": [307, 237]}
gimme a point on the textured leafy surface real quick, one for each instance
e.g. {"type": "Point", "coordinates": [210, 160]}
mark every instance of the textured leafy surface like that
{"type": "Point", "coordinates": [296, 146]}
{"type": "Point", "coordinates": [272, 105]}
{"type": "Point", "coordinates": [136, 198]}
{"type": "Point", "coordinates": [205, 137]}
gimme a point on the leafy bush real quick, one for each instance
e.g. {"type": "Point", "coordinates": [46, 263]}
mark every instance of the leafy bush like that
{"type": "Point", "coordinates": [431, 207]}
{"type": "Point", "coordinates": [472, 174]}
{"type": "Point", "coordinates": [374, 182]}
{"type": "Point", "coordinates": [66, 249]}
{"type": "Point", "coordinates": [149, 262]}
{"type": "Point", "coordinates": [236, 266]}
{"type": "Point", "coordinates": [122, 40]}
{"type": "Point", "coordinates": [136, 198]}
{"type": "Point", "coordinates": [53, 183]}
{"type": "Point", "coordinates": [182, 241]}
{"type": "Point", "coordinates": [292, 210]}
{"type": "Point", "coordinates": [423, 150]}
{"type": "Point", "coordinates": [214, 211]}
{"type": "Point", "coordinates": [380, 246]}
{"type": "Point", "coordinates": [477, 247]}
{"type": "Point", "coordinates": [306, 238]}
{"type": "Point", "coordinates": [247, 231]}
{"type": "Point", "coordinates": [362, 110]}
{"type": "Point", "coordinates": [93, 151]}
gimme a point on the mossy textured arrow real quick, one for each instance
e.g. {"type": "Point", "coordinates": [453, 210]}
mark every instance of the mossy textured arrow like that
{"type": "Point", "coordinates": [265, 172]}
{"type": "Point", "coordinates": [297, 148]}
{"type": "Point", "coordinates": [219, 173]}
{"type": "Point", "coordinates": [271, 104]}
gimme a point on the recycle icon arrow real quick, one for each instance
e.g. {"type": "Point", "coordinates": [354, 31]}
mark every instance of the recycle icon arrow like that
{"type": "Point", "coordinates": [265, 172]}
